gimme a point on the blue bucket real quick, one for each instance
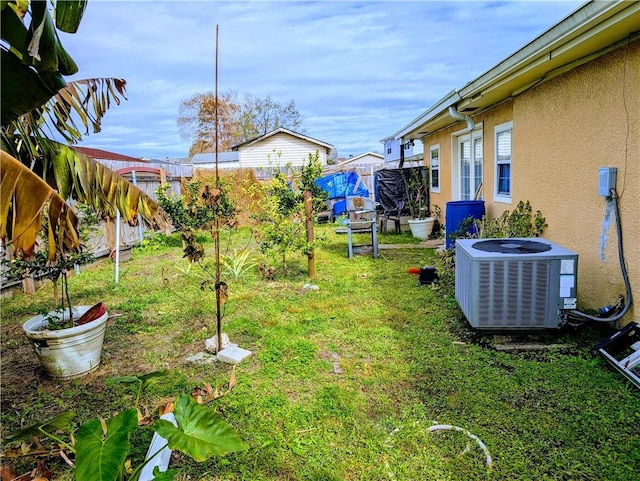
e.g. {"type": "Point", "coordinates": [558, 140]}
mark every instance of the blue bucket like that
{"type": "Point", "coordinates": [459, 210]}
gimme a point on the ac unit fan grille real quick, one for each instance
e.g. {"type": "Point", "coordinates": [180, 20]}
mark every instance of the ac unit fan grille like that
{"type": "Point", "coordinates": [513, 292]}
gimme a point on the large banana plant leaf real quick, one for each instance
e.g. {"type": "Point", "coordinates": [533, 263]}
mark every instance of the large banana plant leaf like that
{"type": "Point", "coordinates": [79, 176]}
{"type": "Point", "coordinates": [24, 199]}
{"type": "Point", "coordinates": [72, 112]}
{"type": "Point", "coordinates": [201, 433]}
{"type": "Point", "coordinates": [33, 58]}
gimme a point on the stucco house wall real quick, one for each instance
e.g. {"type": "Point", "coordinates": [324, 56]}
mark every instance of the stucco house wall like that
{"type": "Point", "coordinates": [564, 130]}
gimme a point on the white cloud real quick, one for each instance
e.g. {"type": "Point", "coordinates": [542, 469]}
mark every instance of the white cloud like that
{"type": "Point", "coordinates": [358, 71]}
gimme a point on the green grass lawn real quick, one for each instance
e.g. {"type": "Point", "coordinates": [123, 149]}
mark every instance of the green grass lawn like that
{"type": "Point", "coordinates": [344, 381]}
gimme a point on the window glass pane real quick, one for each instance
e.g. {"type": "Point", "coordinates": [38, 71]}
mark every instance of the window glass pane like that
{"type": "Point", "coordinates": [465, 150]}
{"type": "Point", "coordinates": [477, 163]}
{"type": "Point", "coordinates": [504, 179]}
{"type": "Point", "coordinates": [465, 170]}
{"type": "Point", "coordinates": [503, 140]}
{"type": "Point", "coordinates": [435, 178]}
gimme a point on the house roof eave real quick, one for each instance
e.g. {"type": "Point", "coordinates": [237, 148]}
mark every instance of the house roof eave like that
{"type": "Point", "coordinates": [282, 130]}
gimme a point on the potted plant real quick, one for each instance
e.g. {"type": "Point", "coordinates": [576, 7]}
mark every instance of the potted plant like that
{"type": "Point", "coordinates": [68, 340]}
{"type": "Point", "coordinates": [417, 191]}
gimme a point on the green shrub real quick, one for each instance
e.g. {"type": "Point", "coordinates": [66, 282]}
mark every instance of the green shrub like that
{"type": "Point", "coordinates": [519, 223]}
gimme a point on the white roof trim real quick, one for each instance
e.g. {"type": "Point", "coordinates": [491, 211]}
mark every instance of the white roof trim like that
{"type": "Point", "coordinates": [282, 130]}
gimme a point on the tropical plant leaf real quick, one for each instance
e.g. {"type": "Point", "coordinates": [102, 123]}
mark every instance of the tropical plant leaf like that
{"type": "Point", "coordinates": [69, 14]}
{"type": "Point", "coordinates": [70, 108]}
{"type": "Point", "coordinates": [41, 39]}
{"type": "Point", "coordinates": [24, 198]}
{"type": "Point", "coordinates": [101, 453]}
{"type": "Point", "coordinates": [23, 89]}
{"type": "Point", "coordinates": [79, 176]}
{"type": "Point", "coordinates": [143, 379]}
{"type": "Point", "coordinates": [201, 433]}
{"type": "Point", "coordinates": [62, 421]}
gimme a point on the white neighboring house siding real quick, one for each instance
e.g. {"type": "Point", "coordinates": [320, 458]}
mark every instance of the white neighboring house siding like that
{"type": "Point", "coordinates": [368, 159]}
{"type": "Point", "coordinates": [294, 151]}
{"type": "Point", "coordinates": [221, 165]}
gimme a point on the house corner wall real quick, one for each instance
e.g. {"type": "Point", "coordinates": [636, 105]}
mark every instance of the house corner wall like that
{"type": "Point", "coordinates": [564, 130]}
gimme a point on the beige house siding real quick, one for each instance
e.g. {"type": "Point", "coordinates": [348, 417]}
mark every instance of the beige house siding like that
{"type": "Point", "coordinates": [564, 130]}
{"type": "Point", "coordinates": [280, 150]}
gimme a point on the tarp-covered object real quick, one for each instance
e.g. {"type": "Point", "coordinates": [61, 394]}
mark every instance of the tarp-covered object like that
{"type": "Point", "coordinates": [343, 184]}
{"type": "Point", "coordinates": [391, 188]}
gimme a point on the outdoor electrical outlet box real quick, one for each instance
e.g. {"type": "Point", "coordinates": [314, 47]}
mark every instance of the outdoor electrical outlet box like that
{"type": "Point", "coordinates": [606, 180]}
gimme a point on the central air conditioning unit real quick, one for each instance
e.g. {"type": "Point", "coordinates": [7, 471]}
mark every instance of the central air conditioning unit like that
{"type": "Point", "coordinates": [515, 284]}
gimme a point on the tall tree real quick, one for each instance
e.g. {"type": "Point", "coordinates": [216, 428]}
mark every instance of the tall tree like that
{"type": "Point", "coordinates": [237, 122]}
{"type": "Point", "coordinates": [196, 121]}
{"type": "Point", "coordinates": [261, 115]}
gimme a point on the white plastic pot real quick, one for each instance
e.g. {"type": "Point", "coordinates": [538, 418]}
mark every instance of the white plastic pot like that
{"type": "Point", "coordinates": [421, 228]}
{"type": "Point", "coordinates": [70, 352]}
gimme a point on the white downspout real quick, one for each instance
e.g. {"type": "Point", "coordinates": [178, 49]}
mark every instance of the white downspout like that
{"type": "Point", "coordinates": [458, 116]}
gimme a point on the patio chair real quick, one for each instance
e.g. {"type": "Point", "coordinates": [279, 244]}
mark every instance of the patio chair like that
{"type": "Point", "coordinates": [361, 218]}
{"type": "Point", "coordinates": [325, 215]}
{"type": "Point", "coordinates": [391, 214]}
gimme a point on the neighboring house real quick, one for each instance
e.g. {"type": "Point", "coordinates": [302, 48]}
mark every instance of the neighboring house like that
{"type": "Point", "coordinates": [280, 149]}
{"type": "Point", "coordinates": [538, 126]}
{"type": "Point", "coordinates": [398, 151]}
{"type": "Point", "coordinates": [362, 160]}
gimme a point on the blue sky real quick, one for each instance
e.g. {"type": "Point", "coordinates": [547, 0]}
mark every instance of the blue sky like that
{"type": "Point", "coordinates": [357, 71]}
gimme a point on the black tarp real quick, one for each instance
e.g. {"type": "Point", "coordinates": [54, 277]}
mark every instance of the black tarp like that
{"type": "Point", "coordinates": [390, 188]}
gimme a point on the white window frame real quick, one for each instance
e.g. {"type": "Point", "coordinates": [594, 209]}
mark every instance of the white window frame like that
{"type": "Point", "coordinates": [433, 148]}
{"type": "Point", "coordinates": [478, 132]}
{"type": "Point", "coordinates": [497, 196]}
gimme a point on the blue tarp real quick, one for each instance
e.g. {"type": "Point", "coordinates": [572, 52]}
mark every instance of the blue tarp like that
{"type": "Point", "coordinates": [343, 184]}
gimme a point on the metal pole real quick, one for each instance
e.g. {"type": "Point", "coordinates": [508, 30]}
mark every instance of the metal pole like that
{"type": "Point", "coordinates": [216, 223]}
{"type": "Point", "coordinates": [117, 256]}
{"type": "Point", "coordinates": [140, 229]}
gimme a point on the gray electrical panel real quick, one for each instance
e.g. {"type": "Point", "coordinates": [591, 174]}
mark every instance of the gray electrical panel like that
{"type": "Point", "coordinates": [606, 180]}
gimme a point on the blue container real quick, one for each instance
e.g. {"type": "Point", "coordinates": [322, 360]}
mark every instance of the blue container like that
{"type": "Point", "coordinates": [459, 210]}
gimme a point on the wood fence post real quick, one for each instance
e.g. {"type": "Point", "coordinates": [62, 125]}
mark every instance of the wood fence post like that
{"type": "Point", "coordinates": [308, 209]}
